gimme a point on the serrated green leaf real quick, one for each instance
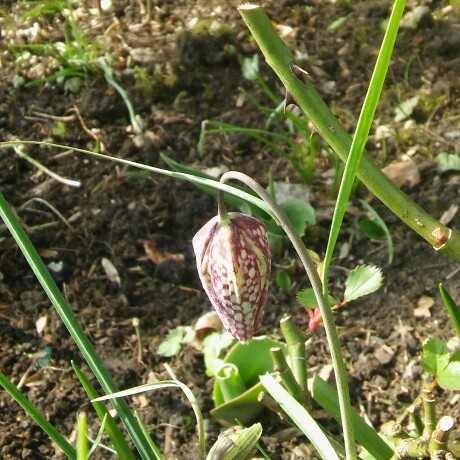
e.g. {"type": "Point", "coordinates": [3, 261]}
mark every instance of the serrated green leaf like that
{"type": "Point", "coordinates": [307, 298]}
{"type": "Point", "coordinates": [449, 378]}
{"type": "Point", "coordinates": [363, 280]}
{"type": "Point", "coordinates": [435, 356]}
{"type": "Point", "coordinates": [455, 356]}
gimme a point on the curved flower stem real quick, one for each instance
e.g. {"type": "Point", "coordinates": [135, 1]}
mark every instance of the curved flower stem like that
{"type": "Point", "coordinates": [328, 320]}
{"type": "Point", "coordinates": [221, 208]}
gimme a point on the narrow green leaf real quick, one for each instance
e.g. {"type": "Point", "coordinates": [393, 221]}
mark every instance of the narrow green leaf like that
{"type": "Point", "coordinates": [166, 384]}
{"type": "Point", "coordinates": [327, 397]}
{"type": "Point", "coordinates": [82, 440]}
{"type": "Point", "coordinates": [73, 326]}
{"type": "Point", "coordinates": [119, 442]}
{"type": "Point", "coordinates": [356, 149]}
{"type": "Point", "coordinates": [383, 226]}
{"type": "Point", "coordinates": [435, 356]}
{"type": "Point", "coordinates": [38, 417]}
{"type": "Point", "coordinates": [452, 308]}
{"type": "Point", "coordinates": [299, 415]}
{"type": "Point", "coordinates": [363, 280]}
{"type": "Point", "coordinates": [146, 432]}
{"type": "Point", "coordinates": [98, 440]}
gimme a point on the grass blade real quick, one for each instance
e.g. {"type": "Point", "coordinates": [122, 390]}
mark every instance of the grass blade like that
{"type": "Point", "coordinates": [72, 325]}
{"type": "Point", "coordinates": [148, 437]}
{"type": "Point", "coordinates": [384, 227]}
{"type": "Point", "coordinates": [327, 397]}
{"type": "Point", "coordinates": [38, 417]}
{"type": "Point", "coordinates": [452, 308]}
{"type": "Point", "coordinates": [235, 191]}
{"type": "Point", "coordinates": [362, 130]}
{"type": "Point", "coordinates": [115, 434]}
{"type": "Point", "coordinates": [300, 417]}
{"type": "Point", "coordinates": [82, 440]}
{"type": "Point", "coordinates": [167, 384]}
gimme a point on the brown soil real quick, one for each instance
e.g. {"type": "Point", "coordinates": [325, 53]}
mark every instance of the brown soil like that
{"type": "Point", "coordinates": [193, 73]}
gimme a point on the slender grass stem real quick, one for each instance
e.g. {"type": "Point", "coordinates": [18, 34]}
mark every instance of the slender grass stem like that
{"type": "Point", "coordinates": [328, 320]}
{"type": "Point", "coordinates": [362, 131]}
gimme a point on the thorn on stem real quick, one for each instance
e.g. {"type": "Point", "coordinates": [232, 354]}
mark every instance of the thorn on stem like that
{"type": "Point", "coordinates": [288, 100]}
{"type": "Point", "coordinates": [297, 71]}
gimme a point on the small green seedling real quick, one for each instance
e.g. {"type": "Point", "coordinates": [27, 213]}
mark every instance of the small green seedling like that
{"type": "Point", "coordinates": [237, 386]}
{"type": "Point", "coordinates": [445, 366]}
{"type": "Point", "coordinates": [448, 161]}
{"type": "Point", "coordinates": [376, 229]}
{"type": "Point", "coordinates": [286, 132]}
{"type": "Point", "coordinates": [76, 55]}
{"type": "Point", "coordinates": [176, 338]}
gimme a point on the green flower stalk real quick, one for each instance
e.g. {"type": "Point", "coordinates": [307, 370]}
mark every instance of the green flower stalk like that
{"type": "Point", "coordinates": [233, 260]}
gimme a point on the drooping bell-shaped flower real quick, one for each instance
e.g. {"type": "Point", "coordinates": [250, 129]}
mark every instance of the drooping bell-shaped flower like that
{"type": "Point", "coordinates": [233, 261]}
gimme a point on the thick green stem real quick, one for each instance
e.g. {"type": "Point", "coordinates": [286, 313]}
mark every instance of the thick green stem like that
{"type": "Point", "coordinates": [295, 341]}
{"type": "Point", "coordinates": [285, 372]}
{"type": "Point", "coordinates": [429, 407]}
{"type": "Point", "coordinates": [305, 95]}
{"type": "Point", "coordinates": [328, 319]}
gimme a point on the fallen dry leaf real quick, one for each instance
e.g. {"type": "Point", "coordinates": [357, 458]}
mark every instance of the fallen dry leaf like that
{"type": "Point", "coordinates": [35, 379]}
{"type": "Point", "coordinates": [403, 173]}
{"type": "Point", "coordinates": [110, 271]}
{"type": "Point", "coordinates": [41, 323]}
{"type": "Point", "coordinates": [207, 323]}
{"type": "Point", "coordinates": [157, 256]}
{"type": "Point", "coordinates": [423, 307]}
{"type": "Point", "coordinates": [141, 400]}
{"type": "Point", "coordinates": [448, 215]}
